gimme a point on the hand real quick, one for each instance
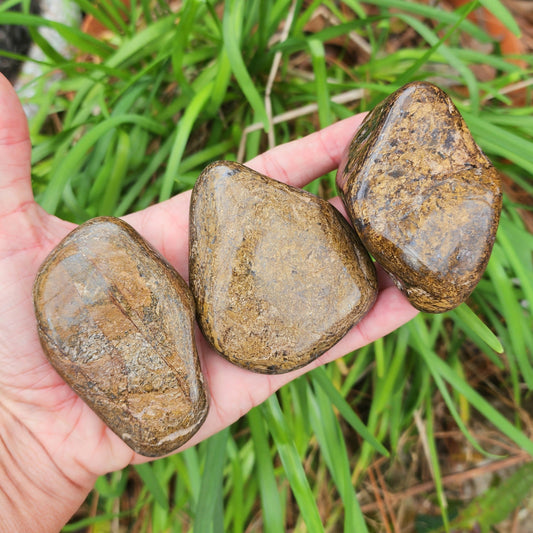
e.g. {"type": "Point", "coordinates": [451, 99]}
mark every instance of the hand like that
{"type": "Point", "coordinates": [52, 446]}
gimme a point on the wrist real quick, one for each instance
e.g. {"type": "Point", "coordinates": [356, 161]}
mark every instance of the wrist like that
{"type": "Point", "coordinates": [35, 493]}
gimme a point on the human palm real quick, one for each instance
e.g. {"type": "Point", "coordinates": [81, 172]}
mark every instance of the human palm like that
{"type": "Point", "coordinates": [53, 446]}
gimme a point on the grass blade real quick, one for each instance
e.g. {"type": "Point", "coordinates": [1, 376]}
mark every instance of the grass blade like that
{"type": "Point", "coordinates": [320, 379]}
{"type": "Point", "coordinates": [73, 161]}
{"type": "Point", "coordinates": [465, 315]}
{"type": "Point", "coordinates": [333, 447]}
{"type": "Point", "coordinates": [318, 58]}
{"type": "Point", "coordinates": [434, 462]}
{"type": "Point", "coordinates": [82, 40]}
{"type": "Point", "coordinates": [477, 401]}
{"type": "Point", "coordinates": [211, 484]}
{"type": "Point", "coordinates": [120, 167]}
{"type": "Point", "coordinates": [152, 483]}
{"type": "Point", "coordinates": [502, 14]}
{"type": "Point", "coordinates": [184, 129]}
{"type": "Point", "coordinates": [292, 464]}
{"type": "Point", "coordinates": [273, 520]}
{"type": "Point", "coordinates": [429, 357]}
{"type": "Point", "coordinates": [231, 30]}
{"type": "Point", "coordinates": [513, 313]}
{"type": "Point", "coordinates": [141, 41]}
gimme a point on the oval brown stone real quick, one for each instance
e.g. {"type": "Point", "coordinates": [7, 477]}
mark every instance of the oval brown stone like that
{"type": "Point", "coordinates": [117, 322]}
{"type": "Point", "coordinates": [422, 196]}
{"type": "Point", "coordinates": [278, 275]}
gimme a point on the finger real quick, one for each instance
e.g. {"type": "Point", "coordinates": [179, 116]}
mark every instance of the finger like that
{"type": "Point", "coordinates": [300, 162]}
{"type": "Point", "coordinates": [15, 153]}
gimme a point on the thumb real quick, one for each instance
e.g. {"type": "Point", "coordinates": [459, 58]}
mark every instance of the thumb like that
{"type": "Point", "coordinates": [15, 154]}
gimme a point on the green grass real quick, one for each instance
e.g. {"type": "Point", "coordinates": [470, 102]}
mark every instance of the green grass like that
{"type": "Point", "coordinates": [134, 120]}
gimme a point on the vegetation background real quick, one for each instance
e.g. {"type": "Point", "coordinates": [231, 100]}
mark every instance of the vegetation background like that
{"type": "Point", "coordinates": [428, 429]}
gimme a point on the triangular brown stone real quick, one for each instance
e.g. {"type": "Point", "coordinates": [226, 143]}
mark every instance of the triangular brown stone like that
{"type": "Point", "coordinates": [278, 275]}
{"type": "Point", "coordinates": [422, 196]}
{"type": "Point", "coordinates": [117, 323]}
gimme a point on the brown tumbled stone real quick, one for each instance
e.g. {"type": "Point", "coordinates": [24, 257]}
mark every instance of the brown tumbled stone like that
{"type": "Point", "coordinates": [117, 322]}
{"type": "Point", "coordinates": [422, 196]}
{"type": "Point", "coordinates": [278, 275]}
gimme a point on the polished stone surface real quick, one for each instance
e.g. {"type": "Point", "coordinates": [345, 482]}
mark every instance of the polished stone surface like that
{"type": "Point", "coordinates": [117, 323]}
{"type": "Point", "coordinates": [278, 275]}
{"type": "Point", "coordinates": [422, 196]}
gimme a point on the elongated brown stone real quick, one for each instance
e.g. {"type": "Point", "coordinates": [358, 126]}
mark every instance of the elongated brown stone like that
{"type": "Point", "coordinates": [422, 196]}
{"type": "Point", "coordinates": [117, 323]}
{"type": "Point", "coordinates": [278, 275]}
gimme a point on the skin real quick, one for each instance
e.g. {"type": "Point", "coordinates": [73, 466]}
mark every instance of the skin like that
{"type": "Point", "coordinates": [52, 446]}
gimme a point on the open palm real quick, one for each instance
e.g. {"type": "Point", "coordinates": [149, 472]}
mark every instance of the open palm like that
{"type": "Point", "coordinates": [52, 446]}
